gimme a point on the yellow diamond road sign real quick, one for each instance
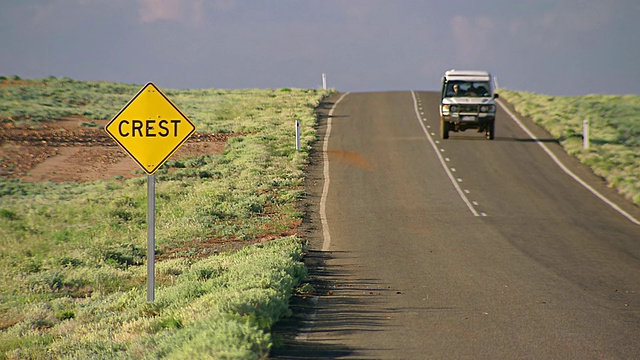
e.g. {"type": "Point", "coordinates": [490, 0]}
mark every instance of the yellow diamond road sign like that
{"type": "Point", "coordinates": [150, 128]}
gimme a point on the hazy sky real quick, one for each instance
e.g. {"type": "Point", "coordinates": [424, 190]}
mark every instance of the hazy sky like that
{"type": "Point", "coordinates": [558, 47]}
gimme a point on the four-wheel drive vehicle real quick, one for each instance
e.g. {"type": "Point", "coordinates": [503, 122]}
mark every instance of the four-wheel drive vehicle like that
{"type": "Point", "coordinates": [467, 102]}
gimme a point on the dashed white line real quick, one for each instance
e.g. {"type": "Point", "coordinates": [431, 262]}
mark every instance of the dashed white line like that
{"type": "Point", "coordinates": [440, 157]}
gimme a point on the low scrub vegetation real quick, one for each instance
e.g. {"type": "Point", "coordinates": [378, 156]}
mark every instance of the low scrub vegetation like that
{"type": "Point", "coordinates": [73, 255]}
{"type": "Point", "coordinates": [614, 151]}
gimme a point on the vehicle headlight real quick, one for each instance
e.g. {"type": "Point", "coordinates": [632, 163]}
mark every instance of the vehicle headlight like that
{"type": "Point", "coordinates": [454, 108]}
{"type": "Point", "coordinates": [487, 108]}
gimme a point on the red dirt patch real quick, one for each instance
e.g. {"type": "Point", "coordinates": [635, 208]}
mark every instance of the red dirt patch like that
{"type": "Point", "coordinates": [75, 149]}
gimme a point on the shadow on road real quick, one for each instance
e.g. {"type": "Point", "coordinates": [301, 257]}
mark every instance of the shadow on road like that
{"type": "Point", "coordinates": [341, 304]}
{"type": "Point", "coordinates": [475, 137]}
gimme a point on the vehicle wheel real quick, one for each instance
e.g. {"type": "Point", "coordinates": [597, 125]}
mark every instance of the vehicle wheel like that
{"type": "Point", "coordinates": [444, 129]}
{"type": "Point", "coordinates": [491, 130]}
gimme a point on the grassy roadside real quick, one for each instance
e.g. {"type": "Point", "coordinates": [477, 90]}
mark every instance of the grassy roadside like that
{"type": "Point", "coordinates": [72, 256]}
{"type": "Point", "coordinates": [614, 151]}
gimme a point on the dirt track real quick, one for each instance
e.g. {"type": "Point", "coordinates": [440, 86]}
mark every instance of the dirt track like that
{"type": "Point", "coordinates": [69, 150]}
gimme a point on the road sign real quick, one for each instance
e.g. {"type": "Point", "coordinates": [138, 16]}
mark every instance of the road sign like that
{"type": "Point", "coordinates": [150, 128]}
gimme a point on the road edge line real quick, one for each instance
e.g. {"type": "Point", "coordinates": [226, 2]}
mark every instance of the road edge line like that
{"type": "Point", "coordinates": [565, 169]}
{"type": "Point", "coordinates": [326, 236]}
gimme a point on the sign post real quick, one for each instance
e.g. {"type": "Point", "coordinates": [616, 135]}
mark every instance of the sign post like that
{"type": "Point", "coordinates": [151, 237]}
{"type": "Point", "coordinates": [150, 128]}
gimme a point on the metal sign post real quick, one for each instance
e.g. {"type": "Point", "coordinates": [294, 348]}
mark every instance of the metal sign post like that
{"type": "Point", "coordinates": [151, 237]}
{"type": "Point", "coordinates": [150, 128]}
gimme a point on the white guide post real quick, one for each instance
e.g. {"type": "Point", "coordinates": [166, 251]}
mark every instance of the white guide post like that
{"type": "Point", "coordinates": [298, 135]}
{"type": "Point", "coordinates": [585, 134]}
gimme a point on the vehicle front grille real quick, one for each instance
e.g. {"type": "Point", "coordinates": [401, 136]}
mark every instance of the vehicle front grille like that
{"type": "Point", "coordinates": [465, 108]}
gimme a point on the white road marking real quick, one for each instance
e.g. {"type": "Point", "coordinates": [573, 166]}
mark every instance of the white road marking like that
{"type": "Point", "coordinates": [565, 169]}
{"type": "Point", "coordinates": [442, 161]}
{"type": "Point", "coordinates": [326, 243]}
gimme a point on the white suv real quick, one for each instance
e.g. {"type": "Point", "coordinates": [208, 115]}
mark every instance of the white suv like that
{"type": "Point", "coordinates": [467, 102]}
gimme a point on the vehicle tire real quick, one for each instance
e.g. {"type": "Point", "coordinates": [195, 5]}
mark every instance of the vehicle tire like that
{"type": "Point", "coordinates": [491, 130]}
{"type": "Point", "coordinates": [444, 129]}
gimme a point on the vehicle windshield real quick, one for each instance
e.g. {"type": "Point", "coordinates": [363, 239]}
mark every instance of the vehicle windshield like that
{"type": "Point", "coordinates": [468, 89]}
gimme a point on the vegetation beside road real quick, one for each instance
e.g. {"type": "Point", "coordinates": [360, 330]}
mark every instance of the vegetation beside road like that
{"type": "Point", "coordinates": [614, 151]}
{"type": "Point", "coordinates": [73, 255]}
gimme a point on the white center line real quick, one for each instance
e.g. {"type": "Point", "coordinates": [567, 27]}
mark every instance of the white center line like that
{"type": "Point", "coordinates": [442, 160]}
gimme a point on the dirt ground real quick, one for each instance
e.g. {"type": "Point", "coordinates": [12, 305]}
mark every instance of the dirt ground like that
{"type": "Point", "coordinates": [68, 150]}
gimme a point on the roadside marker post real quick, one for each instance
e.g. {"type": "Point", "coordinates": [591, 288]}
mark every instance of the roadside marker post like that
{"type": "Point", "coordinates": [585, 134]}
{"type": "Point", "coordinates": [324, 81]}
{"type": "Point", "coordinates": [150, 128]}
{"type": "Point", "coordinates": [298, 135]}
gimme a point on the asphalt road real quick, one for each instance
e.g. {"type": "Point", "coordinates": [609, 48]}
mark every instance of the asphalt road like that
{"type": "Point", "coordinates": [461, 248]}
